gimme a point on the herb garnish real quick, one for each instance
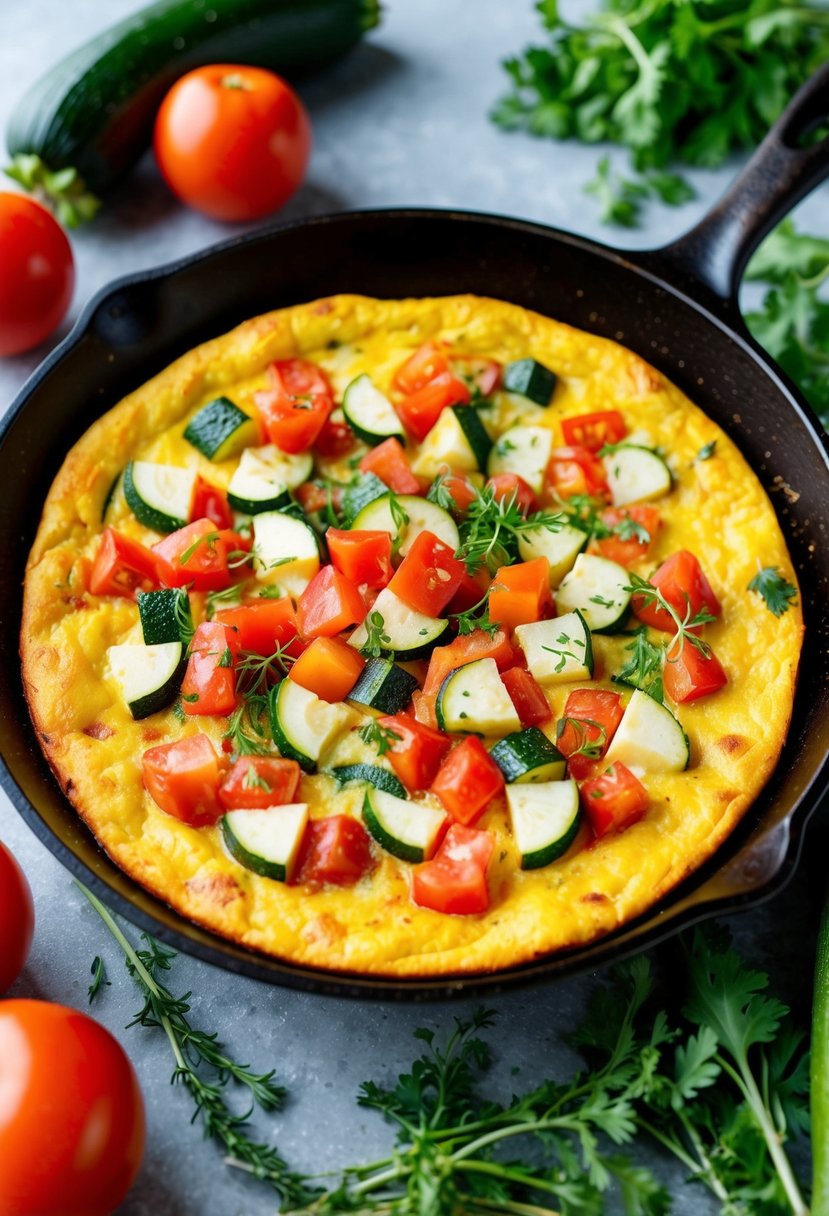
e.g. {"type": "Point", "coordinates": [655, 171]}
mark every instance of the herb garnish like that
{"type": "Point", "coordinates": [245, 730]}
{"type": "Point", "coordinates": [99, 979]}
{"type": "Point", "coordinates": [255, 781]}
{"type": "Point", "coordinates": [491, 527]}
{"type": "Point", "coordinates": [684, 624]}
{"type": "Point", "coordinates": [707, 450]}
{"type": "Point", "coordinates": [228, 597]}
{"type": "Point", "coordinates": [777, 592]}
{"type": "Point", "coordinates": [377, 640]}
{"type": "Point", "coordinates": [476, 617]}
{"type": "Point", "coordinates": [644, 667]}
{"type": "Point", "coordinates": [382, 737]}
{"type": "Point", "coordinates": [591, 746]}
{"type": "Point", "coordinates": [400, 519]}
{"type": "Point", "coordinates": [563, 641]}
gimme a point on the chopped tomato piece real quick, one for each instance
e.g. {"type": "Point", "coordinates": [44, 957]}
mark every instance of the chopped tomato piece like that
{"type": "Point", "coordinates": [122, 566]}
{"type": "Point", "coordinates": [329, 604]}
{"type": "Point", "coordinates": [482, 375]}
{"type": "Point", "coordinates": [420, 410]}
{"type": "Point", "coordinates": [463, 492]}
{"type": "Point", "coordinates": [313, 497]}
{"type": "Point", "coordinates": [209, 684]}
{"type": "Point", "coordinates": [471, 590]}
{"type": "Point", "coordinates": [329, 668]}
{"type": "Point", "coordinates": [197, 555]}
{"type": "Point", "coordinates": [183, 778]}
{"type": "Point", "coordinates": [630, 542]}
{"type": "Point", "coordinates": [527, 696]}
{"type": "Point", "coordinates": [520, 594]}
{"type": "Point", "coordinates": [363, 557]}
{"type": "Point", "coordinates": [594, 431]}
{"type": "Point", "coordinates": [575, 470]}
{"type": "Point", "coordinates": [388, 461]}
{"type": "Point", "coordinates": [689, 674]}
{"type": "Point", "coordinates": [589, 722]}
{"type": "Point", "coordinates": [466, 649]}
{"type": "Point", "coordinates": [209, 502]}
{"type": "Point", "coordinates": [264, 626]}
{"type": "Point", "coordinates": [428, 576]}
{"type": "Point", "coordinates": [259, 782]}
{"type": "Point", "coordinates": [424, 709]}
{"type": "Point", "coordinates": [296, 406]}
{"type": "Point", "coordinates": [335, 850]}
{"type": "Point", "coordinates": [614, 800]}
{"type": "Point", "coordinates": [416, 752]}
{"type": "Point", "coordinates": [336, 439]}
{"type": "Point", "coordinates": [683, 584]}
{"type": "Point", "coordinates": [510, 486]}
{"type": "Point", "coordinates": [454, 881]}
{"type": "Point", "coordinates": [427, 362]}
{"type": "Point", "coordinates": [468, 780]}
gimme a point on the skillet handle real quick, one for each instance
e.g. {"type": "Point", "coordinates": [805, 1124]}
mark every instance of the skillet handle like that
{"type": "Point", "coordinates": [713, 255]}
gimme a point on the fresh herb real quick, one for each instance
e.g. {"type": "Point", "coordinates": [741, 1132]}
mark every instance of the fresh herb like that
{"type": "Point", "coordinates": [439, 494]}
{"type": "Point", "coordinates": [400, 519]}
{"type": "Point", "coordinates": [272, 592]}
{"type": "Point", "coordinates": [591, 746]}
{"type": "Point", "coordinates": [255, 781]}
{"type": "Point", "coordinates": [649, 594]}
{"type": "Point", "coordinates": [255, 672]}
{"type": "Point", "coordinates": [562, 642]}
{"type": "Point", "coordinates": [227, 658]}
{"type": "Point", "coordinates": [644, 667]}
{"type": "Point", "coordinates": [382, 737]}
{"type": "Point", "coordinates": [183, 616]}
{"type": "Point", "coordinates": [490, 530]}
{"type": "Point", "coordinates": [377, 640]}
{"type": "Point", "coordinates": [245, 730]}
{"type": "Point", "coordinates": [208, 539]}
{"type": "Point", "coordinates": [621, 198]}
{"type": "Point", "coordinates": [228, 597]}
{"type": "Point", "coordinates": [179, 711]}
{"type": "Point", "coordinates": [628, 529]}
{"type": "Point", "coordinates": [99, 978]}
{"type": "Point", "coordinates": [190, 697]}
{"type": "Point", "coordinates": [602, 602]}
{"type": "Point", "coordinates": [476, 617]}
{"type": "Point", "coordinates": [777, 592]}
{"type": "Point", "coordinates": [707, 450]}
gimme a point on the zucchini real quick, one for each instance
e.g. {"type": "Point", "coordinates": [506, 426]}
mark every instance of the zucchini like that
{"type": "Point", "coordinates": [285, 550]}
{"type": "Point", "coordinates": [408, 830]}
{"type": "Point", "coordinates": [264, 478]}
{"type": "Point", "coordinates": [220, 430]}
{"type": "Point", "coordinates": [93, 112]}
{"type": "Point", "coordinates": [596, 587]}
{"type": "Point", "coordinates": [473, 698]}
{"type": "Point", "coordinates": [165, 616]}
{"type": "Point", "coordinates": [149, 677]}
{"type": "Point", "coordinates": [267, 841]}
{"type": "Point", "coordinates": [410, 634]}
{"type": "Point", "coordinates": [160, 496]}
{"type": "Point", "coordinates": [369, 774]}
{"type": "Point", "coordinates": [531, 379]}
{"type": "Point", "coordinates": [458, 440]}
{"type": "Point", "coordinates": [545, 819]}
{"type": "Point", "coordinates": [302, 724]}
{"type": "Point", "coordinates": [422, 516]}
{"type": "Point", "coordinates": [649, 738]}
{"type": "Point", "coordinates": [383, 688]}
{"type": "Point", "coordinates": [560, 548]}
{"type": "Point", "coordinates": [369, 412]}
{"type": "Point", "coordinates": [557, 651]}
{"type": "Point", "coordinates": [528, 756]}
{"type": "Point", "coordinates": [524, 450]}
{"type": "Point", "coordinates": [366, 489]}
{"type": "Point", "coordinates": [635, 474]}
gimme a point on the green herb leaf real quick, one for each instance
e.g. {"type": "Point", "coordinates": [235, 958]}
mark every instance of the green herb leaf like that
{"type": "Point", "coordinates": [99, 979]}
{"type": "Point", "coordinates": [776, 591]}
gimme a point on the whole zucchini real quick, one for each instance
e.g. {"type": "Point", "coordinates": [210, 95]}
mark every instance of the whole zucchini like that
{"type": "Point", "coordinates": [90, 118]}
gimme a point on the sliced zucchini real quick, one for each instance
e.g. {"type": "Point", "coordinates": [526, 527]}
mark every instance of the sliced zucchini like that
{"type": "Point", "coordinates": [473, 698]}
{"type": "Point", "coordinates": [458, 440]}
{"type": "Point", "coordinates": [369, 413]}
{"type": "Point", "coordinates": [560, 548]}
{"type": "Point", "coordinates": [635, 474]}
{"type": "Point", "coordinates": [410, 634]}
{"type": "Point", "coordinates": [267, 841]}
{"type": "Point", "coordinates": [597, 588]}
{"type": "Point", "coordinates": [524, 450]}
{"type": "Point", "coordinates": [408, 830]}
{"type": "Point", "coordinates": [422, 516]}
{"type": "Point", "coordinates": [383, 688]}
{"type": "Point", "coordinates": [557, 651]}
{"type": "Point", "coordinates": [160, 496]}
{"type": "Point", "coordinates": [649, 738]}
{"type": "Point", "coordinates": [285, 550]}
{"type": "Point", "coordinates": [302, 724]}
{"type": "Point", "coordinates": [366, 489]}
{"type": "Point", "coordinates": [531, 379]}
{"type": "Point", "coordinates": [545, 819]}
{"type": "Point", "coordinates": [369, 774]}
{"type": "Point", "coordinates": [165, 616]}
{"type": "Point", "coordinates": [220, 430]}
{"type": "Point", "coordinates": [263, 478]}
{"type": "Point", "coordinates": [528, 756]}
{"type": "Point", "coordinates": [149, 676]}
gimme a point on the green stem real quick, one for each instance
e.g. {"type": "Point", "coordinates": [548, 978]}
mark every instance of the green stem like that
{"type": "Point", "coordinates": [819, 1089]}
{"type": "Point", "coordinates": [514, 1175]}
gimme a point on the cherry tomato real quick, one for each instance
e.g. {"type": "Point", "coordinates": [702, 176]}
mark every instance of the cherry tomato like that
{"type": "Point", "coordinates": [38, 273]}
{"type": "Point", "coordinates": [232, 141]}
{"type": "Point", "coordinates": [71, 1113]}
{"type": "Point", "coordinates": [17, 919]}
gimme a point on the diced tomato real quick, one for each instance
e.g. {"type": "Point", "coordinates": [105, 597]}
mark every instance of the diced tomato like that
{"type": "Point", "coordinates": [197, 555]}
{"type": "Point", "coordinates": [363, 557]}
{"type": "Point", "coordinates": [468, 780]}
{"type": "Point", "coordinates": [328, 605]}
{"type": "Point", "coordinates": [122, 566]}
{"type": "Point", "coordinates": [527, 696]}
{"type": "Point", "coordinates": [257, 782]}
{"type": "Point", "coordinates": [575, 470]}
{"type": "Point", "coordinates": [510, 486]}
{"type": "Point", "coordinates": [296, 406]}
{"type": "Point", "coordinates": [614, 800]}
{"type": "Point", "coordinates": [183, 778]}
{"type": "Point", "coordinates": [428, 576]}
{"type": "Point", "coordinates": [594, 431]}
{"type": "Point", "coordinates": [335, 850]}
{"type": "Point", "coordinates": [471, 590]}
{"type": "Point", "coordinates": [454, 881]}
{"type": "Point", "coordinates": [683, 584]}
{"type": "Point", "coordinates": [424, 709]}
{"type": "Point", "coordinates": [520, 594]}
{"type": "Point", "coordinates": [462, 492]}
{"type": "Point", "coordinates": [416, 751]}
{"type": "Point", "coordinates": [313, 497]}
{"type": "Point", "coordinates": [427, 362]}
{"type": "Point", "coordinates": [689, 673]}
{"type": "Point", "coordinates": [329, 668]}
{"type": "Point", "coordinates": [264, 626]}
{"type": "Point", "coordinates": [598, 714]}
{"type": "Point", "coordinates": [209, 502]}
{"type": "Point", "coordinates": [209, 684]}
{"type": "Point", "coordinates": [299, 376]}
{"type": "Point", "coordinates": [626, 552]}
{"type": "Point", "coordinates": [336, 439]}
{"type": "Point", "coordinates": [482, 375]}
{"type": "Point", "coordinates": [420, 411]}
{"type": "Point", "coordinates": [388, 461]}
{"type": "Point", "coordinates": [466, 649]}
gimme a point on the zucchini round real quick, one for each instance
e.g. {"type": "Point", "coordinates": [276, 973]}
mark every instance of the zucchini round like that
{"type": "Point", "coordinates": [545, 819]}
{"type": "Point", "coordinates": [220, 430]}
{"type": "Point", "coordinates": [408, 830]}
{"type": "Point", "coordinates": [369, 774]}
{"type": "Point", "coordinates": [160, 496]}
{"type": "Point", "coordinates": [528, 757]}
{"type": "Point", "coordinates": [267, 841]}
{"type": "Point", "coordinates": [369, 412]}
{"type": "Point", "coordinates": [649, 737]}
{"type": "Point", "coordinates": [303, 725]}
{"type": "Point", "coordinates": [596, 587]}
{"type": "Point", "coordinates": [473, 698]}
{"type": "Point", "coordinates": [422, 515]}
{"type": "Point", "coordinates": [408, 634]}
{"type": "Point", "coordinates": [149, 677]}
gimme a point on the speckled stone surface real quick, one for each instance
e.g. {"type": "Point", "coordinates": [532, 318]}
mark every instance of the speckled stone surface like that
{"type": "Point", "coordinates": [401, 121]}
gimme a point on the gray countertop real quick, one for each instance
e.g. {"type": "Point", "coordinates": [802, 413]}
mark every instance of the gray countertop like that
{"type": "Point", "coordinates": [401, 121]}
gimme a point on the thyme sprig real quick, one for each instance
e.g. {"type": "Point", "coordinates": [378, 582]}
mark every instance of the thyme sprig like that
{"type": "Point", "coordinates": [684, 624]}
{"type": "Point", "coordinates": [491, 527]}
{"type": "Point", "coordinates": [255, 672]}
{"type": "Point", "coordinates": [476, 617]}
{"type": "Point", "coordinates": [644, 667]}
{"type": "Point", "coordinates": [245, 730]}
{"type": "Point", "coordinates": [591, 746]}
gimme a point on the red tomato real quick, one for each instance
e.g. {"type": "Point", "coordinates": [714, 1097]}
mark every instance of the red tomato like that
{"type": "Point", "coordinates": [520, 594]}
{"type": "Point", "coordinates": [328, 605]}
{"type": "Point", "coordinates": [183, 778]}
{"type": "Point", "coordinates": [313, 497]}
{"type": "Point", "coordinates": [420, 411]}
{"type": "Point", "coordinates": [626, 552]}
{"type": "Point", "coordinates": [264, 626]}
{"type": "Point", "coordinates": [575, 470]}
{"type": "Point", "coordinates": [335, 850]}
{"type": "Point", "coordinates": [259, 781]}
{"type": "Point", "coordinates": [336, 439]}
{"type": "Point", "coordinates": [594, 431]}
{"type": "Point", "coordinates": [527, 696]}
{"type": "Point", "coordinates": [454, 881]}
{"type": "Point", "coordinates": [38, 274]}
{"type": "Point", "coordinates": [122, 566]}
{"type": "Point", "coordinates": [17, 921]}
{"type": "Point", "coordinates": [428, 361]}
{"type": "Point", "coordinates": [462, 491]}
{"type": "Point", "coordinates": [71, 1114]}
{"type": "Point", "coordinates": [209, 502]}
{"type": "Point", "coordinates": [232, 141]}
{"type": "Point", "coordinates": [209, 684]}
{"type": "Point", "coordinates": [689, 674]}
{"type": "Point", "coordinates": [197, 555]}
{"type": "Point", "coordinates": [388, 461]}
{"type": "Point", "coordinates": [468, 780]}
{"type": "Point", "coordinates": [471, 590]}
{"type": "Point", "coordinates": [296, 406]}
{"type": "Point", "coordinates": [363, 557]}
{"type": "Point", "coordinates": [614, 800]}
{"type": "Point", "coordinates": [416, 752]}
{"type": "Point", "coordinates": [596, 711]}
{"type": "Point", "coordinates": [482, 375]}
{"type": "Point", "coordinates": [466, 649]}
{"type": "Point", "coordinates": [428, 576]}
{"type": "Point", "coordinates": [683, 584]}
{"type": "Point", "coordinates": [511, 487]}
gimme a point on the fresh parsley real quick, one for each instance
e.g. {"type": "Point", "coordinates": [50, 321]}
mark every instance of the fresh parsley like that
{"type": "Point", "coordinates": [99, 978]}
{"type": "Point", "coordinates": [591, 737]}
{"type": "Point", "coordinates": [476, 617]}
{"type": "Point", "coordinates": [246, 731]}
{"type": "Point", "coordinates": [490, 529]}
{"type": "Point", "coordinates": [381, 737]}
{"type": "Point", "coordinates": [777, 592]}
{"type": "Point", "coordinates": [644, 667]}
{"type": "Point", "coordinates": [377, 640]}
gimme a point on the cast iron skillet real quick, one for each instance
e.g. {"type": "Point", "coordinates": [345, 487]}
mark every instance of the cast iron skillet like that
{"type": "Point", "coordinates": [675, 306]}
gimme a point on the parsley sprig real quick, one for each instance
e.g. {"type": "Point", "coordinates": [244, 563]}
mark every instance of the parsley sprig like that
{"type": "Point", "coordinates": [684, 624]}
{"type": "Point", "coordinates": [382, 738]}
{"type": "Point", "coordinates": [776, 591]}
{"type": "Point", "coordinates": [490, 529]}
{"type": "Point", "coordinates": [476, 617]}
{"type": "Point", "coordinates": [377, 640]}
{"type": "Point", "coordinates": [590, 745]}
{"type": "Point", "coordinates": [644, 667]}
{"type": "Point", "coordinates": [245, 729]}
